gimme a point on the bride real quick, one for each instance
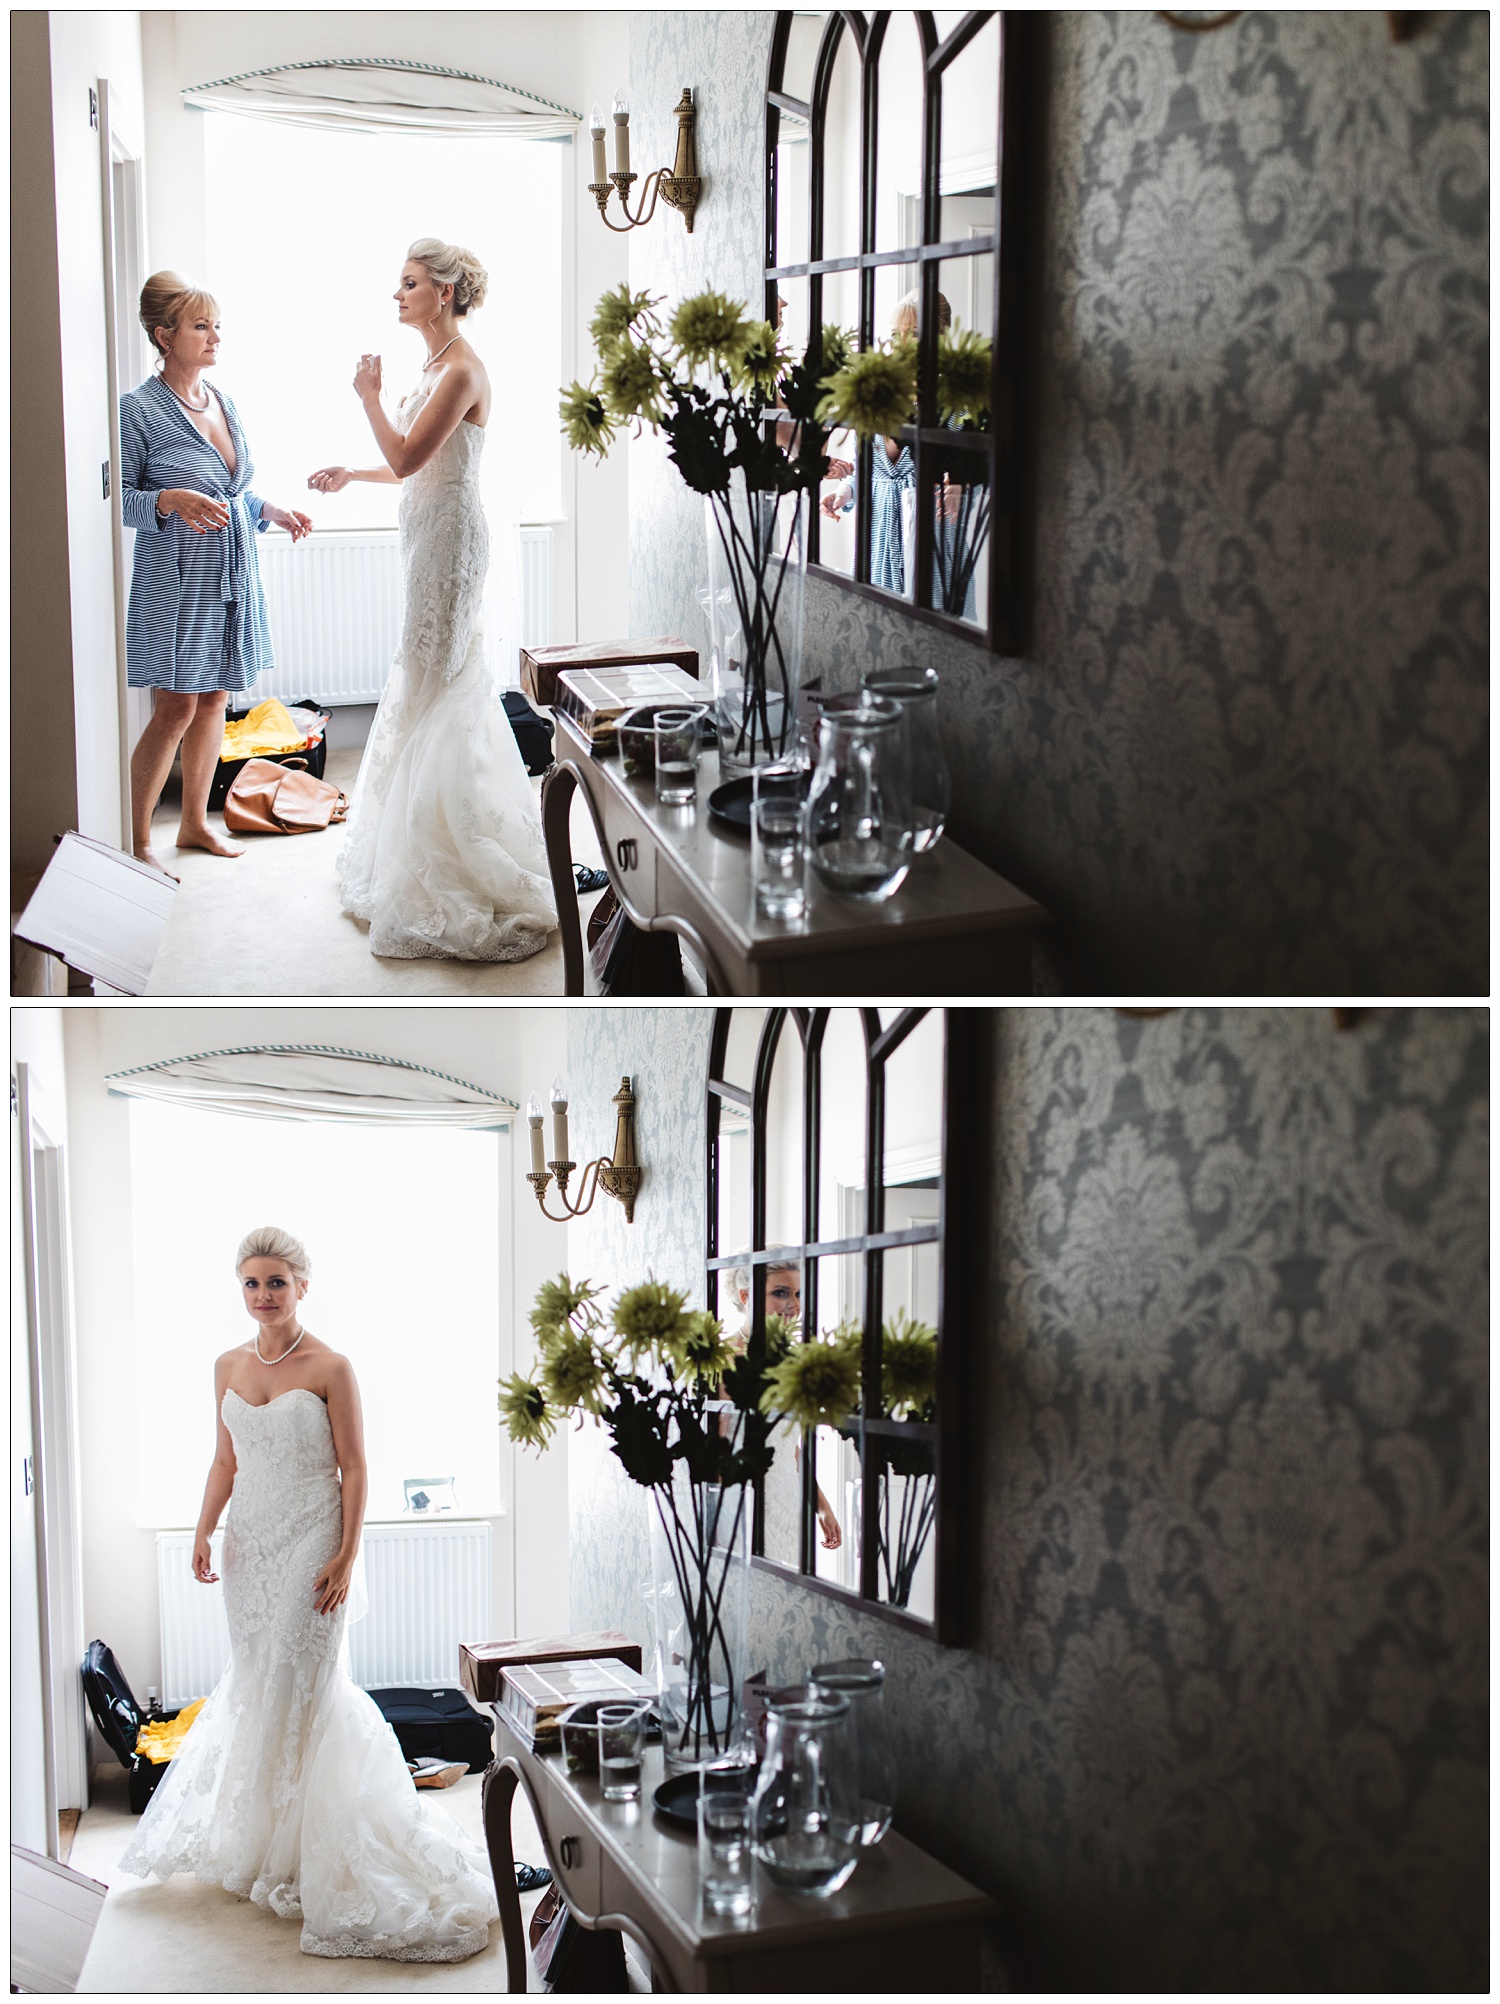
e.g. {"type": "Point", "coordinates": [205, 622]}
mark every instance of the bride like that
{"type": "Point", "coordinates": [444, 854]}
{"type": "Point", "coordinates": [290, 1787]}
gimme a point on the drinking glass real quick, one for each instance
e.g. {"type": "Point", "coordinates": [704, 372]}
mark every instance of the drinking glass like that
{"type": "Point", "coordinates": [725, 1860]}
{"type": "Point", "coordinates": [915, 689]}
{"type": "Point", "coordinates": [778, 848]}
{"type": "Point", "coordinates": [862, 1681]}
{"type": "Point", "coordinates": [622, 1737]}
{"type": "Point", "coordinates": [677, 757]}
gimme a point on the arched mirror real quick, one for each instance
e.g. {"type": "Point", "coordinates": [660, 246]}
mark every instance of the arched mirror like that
{"type": "Point", "coordinates": [891, 179]}
{"type": "Point", "coordinates": [833, 1135]}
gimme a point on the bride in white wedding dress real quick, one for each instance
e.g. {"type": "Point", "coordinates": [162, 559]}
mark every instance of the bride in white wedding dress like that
{"type": "Point", "coordinates": [444, 855]}
{"type": "Point", "coordinates": [290, 1787]}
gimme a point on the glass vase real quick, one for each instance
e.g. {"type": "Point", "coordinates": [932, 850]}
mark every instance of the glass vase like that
{"type": "Point", "coordinates": [804, 1820]}
{"type": "Point", "coordinates": [915, 689]}
{"type": "Point", "coordinates": [757, 576]}
{"type": "Point", "coordinates": [700, 1554]}
{"type": "Point", "coordinates": [859, 813]}
{"type": "Point", "coordinates": [862, 1681]}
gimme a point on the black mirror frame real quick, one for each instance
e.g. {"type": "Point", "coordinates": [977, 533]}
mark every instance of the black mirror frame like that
{"type": "Point", "coordinates": [957, 1323]}
{"type": "Point", "coordinates": [1003, 630]}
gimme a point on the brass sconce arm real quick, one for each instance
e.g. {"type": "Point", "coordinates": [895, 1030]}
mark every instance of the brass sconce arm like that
{"type": "Point", "coordinates": [619, 1175]}
{"type": "Point", "coordinates": [680, 187]}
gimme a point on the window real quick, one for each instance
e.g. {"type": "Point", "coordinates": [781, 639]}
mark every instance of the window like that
{"type": "Point", "coordinates": [891, 142]}
{"type": "Point", "coordinates": [404, 1230]}
{"type": "Point", "coordinates": [305, 289]}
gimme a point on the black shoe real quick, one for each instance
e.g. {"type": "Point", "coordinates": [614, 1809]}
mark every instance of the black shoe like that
{"type": "Point", "coordinates": [531, 1878]}
{"type": "Point", "coordinates": [589, 881]}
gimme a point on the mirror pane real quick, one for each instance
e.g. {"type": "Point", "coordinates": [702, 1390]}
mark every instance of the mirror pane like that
{"type": "Point", "coordinates": [898, 147]}
{"type": "Point", "coordinates": [841, 123]}
{"type": "Point", "coordinates": [961, 532]}
{"type": "Point", "coordinates": [966, 289]}
{"type": "Point", "coordinates": [784, 1140]}
{"type": "Point", "coordinates": [843, 1091]}
{"type": "Point", "coordinates": [836, 1544]}
{"type": "Point", "coordinates": [970, 127]}
{"type": "Point", "coordinates": [803, 38]}
{"type": "Point", "coordinates": [734, 1199]}
{"type": "Point", "coordinates": [791, 313]}
{"type": "Point", "coordinates": [945, 23]}
{"type": "Point", "coordinates": [914, 1105]}
{"type": "Point", "coordinates": [745, 1026]}
{"type": "Point", "coordinates": [791, 183]}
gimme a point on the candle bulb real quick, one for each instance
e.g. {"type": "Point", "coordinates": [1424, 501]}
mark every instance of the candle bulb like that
{"type": "Point", "coordinates": [596, 133]}
{"type": "Point", "coordinates": [534, 1121]}
{"type": "Point", "coordinates": [559, 1120]}
{"type": "Point", "coordinates": [622, 133]}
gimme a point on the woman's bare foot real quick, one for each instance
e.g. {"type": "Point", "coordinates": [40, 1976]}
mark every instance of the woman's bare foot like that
{"type": "Point", "coordinates": [149, 857]}
{"type": "Point", "coordinates": [205, 838]}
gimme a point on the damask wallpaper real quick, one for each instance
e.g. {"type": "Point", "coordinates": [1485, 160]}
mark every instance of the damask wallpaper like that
{"type": "Point", "coordinates": [1221, 1719]}
{"type": "Point", "coordinates": [1245, 749]}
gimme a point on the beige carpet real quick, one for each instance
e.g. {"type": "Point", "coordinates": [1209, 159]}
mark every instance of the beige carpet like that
{"type": "Point", "coordinates": [268, 923]}
{"type": "Point", "coordinates": [179, 1936]}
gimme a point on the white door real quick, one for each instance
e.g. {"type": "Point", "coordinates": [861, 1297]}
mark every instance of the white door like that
{"type": "Point", "coordinates": [31, 1821]}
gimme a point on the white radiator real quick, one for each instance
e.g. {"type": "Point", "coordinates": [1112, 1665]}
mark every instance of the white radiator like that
{"type": "Point", "coordinates": [334, 604]}
{"type": "Point", "coordinates": [429, 1589]}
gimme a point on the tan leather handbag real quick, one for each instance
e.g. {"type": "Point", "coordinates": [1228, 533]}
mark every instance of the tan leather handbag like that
{"type": "Point", "coordinates": [271, 799]}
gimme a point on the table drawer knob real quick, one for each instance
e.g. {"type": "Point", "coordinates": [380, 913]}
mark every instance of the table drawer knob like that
{"type": "Point", "coordinates": [571, 1852]}
{"type": "Point", "coordinates": [625, 852]}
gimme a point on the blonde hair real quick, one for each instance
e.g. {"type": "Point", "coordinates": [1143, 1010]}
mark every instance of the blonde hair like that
{"type": "Point", "coordinates": [449, 264]}
{"type": "Point", "coordinates": [167, 300]}
{"type": "Point", "coordinates": [271, 1242]}
{"type": "Point", "coordinates": [909, 308]}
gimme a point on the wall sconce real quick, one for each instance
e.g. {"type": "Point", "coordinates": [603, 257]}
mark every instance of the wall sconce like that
{"type": "Point", "coordinates": [619, 1176]}
{"type": "Point", "coordinates": [679, 189]}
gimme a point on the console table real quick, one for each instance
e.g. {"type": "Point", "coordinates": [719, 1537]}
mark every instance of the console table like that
{"type": "Point", "coordinates": [902, 1923]}
{"type": "Point", "coordinates": [953, 928]}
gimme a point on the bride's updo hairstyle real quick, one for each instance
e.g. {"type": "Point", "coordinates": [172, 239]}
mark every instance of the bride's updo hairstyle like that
{"type": "Point", "coordinates": [166, 301]}
{"type": "Point", "coordinates": [271, 1242]}
{"type": "Point", "coordinates": [449, 264]}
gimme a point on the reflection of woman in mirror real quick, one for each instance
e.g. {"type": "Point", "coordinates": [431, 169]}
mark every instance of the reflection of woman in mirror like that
{"type": "Point", "coordinates": [783, 1297]}
{"type": "Point", "coordinates": [893, 476]}
{"type": "Point", "coordinates": [290, 1786]}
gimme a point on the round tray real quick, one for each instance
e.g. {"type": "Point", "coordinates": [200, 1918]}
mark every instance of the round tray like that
{"type": "Point", "coordinates": [729, 805]}
{"type": "Point", "coordinates": [677, 1797]}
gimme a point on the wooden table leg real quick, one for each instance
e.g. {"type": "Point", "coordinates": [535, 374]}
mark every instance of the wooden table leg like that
{"type": "Point", "coordinates": [496, 1795]}
{"type": "Point", "coordinates": [557, 800]}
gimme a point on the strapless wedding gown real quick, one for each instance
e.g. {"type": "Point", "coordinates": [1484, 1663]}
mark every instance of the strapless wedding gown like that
{"type": "Point", "coordinates": [290, 1787]}
{"type": "Point", "coordinates": [444, 854]}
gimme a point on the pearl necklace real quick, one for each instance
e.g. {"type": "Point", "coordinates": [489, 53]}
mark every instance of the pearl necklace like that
{"type": "Point", "coordinates": [432, 358]}
{"type": "Point", "coordinates": [285, 1353]}
{"type": "Point", "coordinates": [207, 399]}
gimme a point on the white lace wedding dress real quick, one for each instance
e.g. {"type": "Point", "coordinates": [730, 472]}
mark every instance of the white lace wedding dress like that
{"type": "Point", "coordinates": [290, 1787]}
{"type": "Point", "coordinates": [444, 853]}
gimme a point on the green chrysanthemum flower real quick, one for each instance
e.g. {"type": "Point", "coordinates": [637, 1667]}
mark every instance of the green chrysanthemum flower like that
{"type": "Point", "coordinates": [815, 1384]}
{"type": "Point", "coordinates": [781, 1333]}
{"type": "Point", "coordinates": [757, 360]}
{"type": "Point", "coordinates": [557, 1299]}
{"type": "Point", "coordinates": [908, 1366]}
{"type": "Point", "coordinates": [588, 425]}
{"type": "Point", "coordinates": [524, 1412]}
{"type": "Point", "coordinates": [631, 384]}
{"type": "Point", "coordinates": [697, 1349]}
{"type": "Point", "coordinates": [573, 1373]}
{"type": "Point", "coordinates": [646, 1317]}
{"type": "Point", "coordinates": [838, 346]}
{"type": "Point", "coordinates": [617, 312]}
{"type": "Point", "coordinates": [707, 327]}
{"type": "Point", "coordinates": [964, 362]}
{"type": "Point", "coordinates": [873, 393]}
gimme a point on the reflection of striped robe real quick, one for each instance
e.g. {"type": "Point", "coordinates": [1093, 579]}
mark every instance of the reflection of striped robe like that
{"type": "Point", "coordinates": [197, 619]}
{"type": "Point", "coordinates": [892, 480]}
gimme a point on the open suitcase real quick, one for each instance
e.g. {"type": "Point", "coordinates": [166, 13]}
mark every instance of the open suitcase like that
{"type": "Point", "coordinates": [314, 757]}
{"type": "Point", "coordinates": [441, 1725]}
{"type": "Point", "coordinates": [119, 1719]}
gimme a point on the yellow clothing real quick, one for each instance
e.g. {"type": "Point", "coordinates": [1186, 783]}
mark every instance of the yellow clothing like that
{"type": "Point", "coordinates": [160, 1740]}
{"type": "Point", "coordinates": [268, 728]}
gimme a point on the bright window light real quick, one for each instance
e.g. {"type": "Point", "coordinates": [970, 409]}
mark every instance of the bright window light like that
{"type": "Point", "coordinates": [307, 234]}
{"type": "Point", "coordinates": [403, 1230]}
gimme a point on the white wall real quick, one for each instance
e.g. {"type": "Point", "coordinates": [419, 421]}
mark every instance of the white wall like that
{"type": "Point", "coordinates": [569, 58]}
{"type": "Point", "coordinates": [510, 1051]}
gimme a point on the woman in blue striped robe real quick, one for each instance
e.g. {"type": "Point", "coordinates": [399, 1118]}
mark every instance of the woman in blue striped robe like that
{"type": "Point", "coordinates": [196, 628]}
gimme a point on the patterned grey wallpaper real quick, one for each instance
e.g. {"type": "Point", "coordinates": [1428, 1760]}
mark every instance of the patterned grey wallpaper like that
{"type": "Point", "coordinates": [1245, 751]}
{"type": "Point", "coordinates": [1221, 1721]}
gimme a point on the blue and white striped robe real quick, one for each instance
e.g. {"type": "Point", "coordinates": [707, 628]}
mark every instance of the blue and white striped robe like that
{"type": "Point", "coordinates": [197, 618]}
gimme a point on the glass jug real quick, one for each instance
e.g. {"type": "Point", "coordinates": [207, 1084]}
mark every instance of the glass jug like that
{"type": "Point", "coordinates": [915, 689]}
{"type": "Point", "coordinates": [859, 815]}
{"type": "Point", "coordinates": [805, 1815]}
{"type": "Point", "coordinates": [862, 1681]}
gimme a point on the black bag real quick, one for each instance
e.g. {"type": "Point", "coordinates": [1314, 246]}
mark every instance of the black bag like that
{"type": "Point", "coordinates": [533, 733]}
{"type": "Point", "coordinates": [314, 757]}
{"type": "Point", "coordinates": [627, 961]}
{"type": "Point", "coordinates": [119, 1719]}
{"type": "Point", "coordinates": [437, 1725]}
{"type": "Point", "coordinates": [570, 1957]}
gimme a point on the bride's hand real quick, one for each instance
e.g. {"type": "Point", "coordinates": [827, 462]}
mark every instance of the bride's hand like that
{"type": "Point", "coordinates": [331, 1588]}
{"type": "Point", "coordinates": [367, 377]}
{"type": "Point", "coordinates": [330, 479]}
{"type": "Point", "coordinates": [203, 1563]}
